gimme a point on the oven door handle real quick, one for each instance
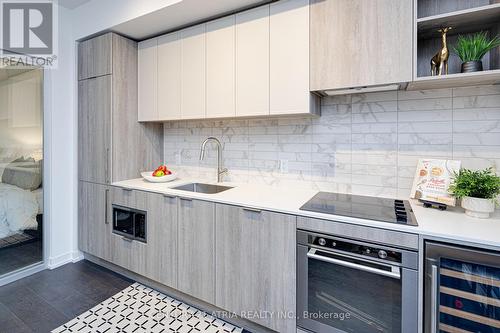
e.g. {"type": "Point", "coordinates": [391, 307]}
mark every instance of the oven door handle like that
{"type": "Point", "coordinates": [395, 272]}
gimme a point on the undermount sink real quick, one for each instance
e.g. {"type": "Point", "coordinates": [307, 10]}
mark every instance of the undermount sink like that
{"type": "Point", "coordinates": [202, 188]}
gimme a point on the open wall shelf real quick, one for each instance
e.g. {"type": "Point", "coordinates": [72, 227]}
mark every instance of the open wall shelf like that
{"type": "Point", "coordinates": [429, 8]}
{"type": "Point", "coordinates": [465, 17]}
{"type": "Point", "coordinates": [463, 21]}
{"type": "Point", "coordinates": [456, 80]}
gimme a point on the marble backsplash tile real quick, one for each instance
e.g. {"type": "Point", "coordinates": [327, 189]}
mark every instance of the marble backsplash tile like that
{"type": "Point", "coordinates": [362, 143]}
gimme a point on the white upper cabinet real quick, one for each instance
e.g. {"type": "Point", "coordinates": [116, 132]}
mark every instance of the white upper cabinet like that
{"type": "Point", "coordinates": [252, 62]}
{"type": "Point", "coordinates": [289, 57]}
{"type": "Point", "coordinates": [147, 76]}
{"type": "Point", "coordinates": [169, 76]}
{"type": "Point", "coordinates": [193, 67]}
{"type": "Point", "coordinates": [221, 68]}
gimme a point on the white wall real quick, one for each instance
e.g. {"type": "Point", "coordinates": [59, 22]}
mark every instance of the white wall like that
{"type": "Point", "coordinates": [61, 118]}
{"type": "Point", "coordinates": [60, 150]}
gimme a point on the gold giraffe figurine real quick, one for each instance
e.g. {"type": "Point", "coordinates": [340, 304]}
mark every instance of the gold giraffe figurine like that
{"type": "Point", "coordinates": [439, 63]}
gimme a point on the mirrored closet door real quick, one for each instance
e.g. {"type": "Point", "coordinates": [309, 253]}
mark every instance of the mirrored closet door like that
{"type": "Point", "coordinates": [21, 161]}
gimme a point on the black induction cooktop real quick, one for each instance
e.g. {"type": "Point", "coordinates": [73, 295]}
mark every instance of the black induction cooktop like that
{"type": "Point", "coordinates": [362, 207]}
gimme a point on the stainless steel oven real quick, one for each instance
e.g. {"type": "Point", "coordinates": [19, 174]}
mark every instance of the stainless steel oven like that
{"type": "Point", "coordinates": [346, 285]}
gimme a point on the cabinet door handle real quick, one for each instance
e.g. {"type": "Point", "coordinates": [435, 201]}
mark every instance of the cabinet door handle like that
{"type": "Point", "coordinates": [168, 196]}
{"type": "Point", "coordinates": [127, 189]}
{"type": "Point", "coordinates": [185, 199]}
{"type": "Point", "coordinates": [127, 239]}
{"type": "Point", "coordinates": [434, 298]}
{"type": "Point", "coordinates": [106, 203]}
{"type": "Point", "coordinates": [252, 210]}
{"type": "Point", "coordinates": [106, 156]}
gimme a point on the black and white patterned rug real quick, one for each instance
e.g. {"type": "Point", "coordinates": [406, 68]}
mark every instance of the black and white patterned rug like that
{"type": "Point", "coordinates": [141, 309]}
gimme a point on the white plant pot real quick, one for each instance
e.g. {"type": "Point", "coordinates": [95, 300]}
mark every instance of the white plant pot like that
{"type": "Point", "coordinates": [477, 207]}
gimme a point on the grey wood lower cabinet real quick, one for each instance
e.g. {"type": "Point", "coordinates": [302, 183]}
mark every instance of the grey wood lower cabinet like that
{"type": "Point", "coordinates": [127, 253]}
{"type": "Point", "coordinates": [196, 271]}
{"type": "Point", "coordinates": [255, 265]}
{"type": "Point", "coordinates": [157, 258]}
{"type": "Point", "coordinates": [238, 259]}
{"type": "Point", "coordinates": [162, 239]}
{"type": "Point", "coordinates": [94, 220]}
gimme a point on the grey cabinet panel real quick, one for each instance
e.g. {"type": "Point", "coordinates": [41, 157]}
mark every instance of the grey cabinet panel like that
{"type": "Point", "coordinates": [162, 239]}
{"type": "Point", "coordinates": [376, 235]}
{"type": "Point", "coordinates": [94, 216]}
{"type": "Point", "coordinates": [125, 252]}
{"type": "Point", "coordinates": [113, 146]}
{"type": "Point", "coordinates": [156, 259]}
{"type": "Point", "coordinates": [196, 256]}
{"type": "Point", "coordinates": [95, 57]}
{"type": "Point", "coordinates": [136, 146]}
{"type": "Point", "coordinates": [255, 264]}
{"type": "Point", "coordinates": [94, 128]}
{"type": "Point", "coordinates": [128, 254]}
{"type": "Point", "coordinates": [358, 43]}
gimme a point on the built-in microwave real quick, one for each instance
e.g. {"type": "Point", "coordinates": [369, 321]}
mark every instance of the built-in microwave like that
{"type": "Point", "coordinates": [130, 223]}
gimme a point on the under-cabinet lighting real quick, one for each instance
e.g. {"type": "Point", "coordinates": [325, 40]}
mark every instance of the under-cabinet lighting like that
{"type": "Point", "coordinates": [388, 87]}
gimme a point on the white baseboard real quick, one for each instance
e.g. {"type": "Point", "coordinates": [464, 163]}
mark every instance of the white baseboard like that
{"type": "Point", "coordinates": [64, 259]}
{"type": "Point", "coordinates": [78, 256]}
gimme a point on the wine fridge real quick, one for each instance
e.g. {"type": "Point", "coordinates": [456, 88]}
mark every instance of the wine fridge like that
{"type": "Point", "coordinates": [462, 289]}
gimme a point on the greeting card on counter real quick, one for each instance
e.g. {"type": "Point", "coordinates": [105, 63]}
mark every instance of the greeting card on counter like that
{"type": "Point", "coordinates": [432, 179]}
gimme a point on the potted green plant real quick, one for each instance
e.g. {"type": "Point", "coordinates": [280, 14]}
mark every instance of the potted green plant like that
{"type": "Point", "coordinates": [472, 48]}
{"type": "Point", "coordinates": [478, 191]}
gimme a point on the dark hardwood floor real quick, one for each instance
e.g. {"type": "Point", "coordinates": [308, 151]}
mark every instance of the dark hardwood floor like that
{"type": "Point", "coordinates": [46, 300]}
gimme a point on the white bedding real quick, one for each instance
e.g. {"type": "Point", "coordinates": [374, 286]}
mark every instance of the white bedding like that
{"type": "Point", "coordinates": [18, 210]}
{"type": "Point", "coordinates": [39, 199]}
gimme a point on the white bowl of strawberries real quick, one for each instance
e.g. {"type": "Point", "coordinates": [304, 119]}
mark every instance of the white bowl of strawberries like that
{"type": "Point", "coordinates": [161, 175]}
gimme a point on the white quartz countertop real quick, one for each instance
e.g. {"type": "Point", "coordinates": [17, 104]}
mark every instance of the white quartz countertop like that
{"type": "Point", "coordinates": [451, 224]}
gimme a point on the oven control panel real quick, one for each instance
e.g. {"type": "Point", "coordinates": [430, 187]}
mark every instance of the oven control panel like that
{"type": "Point", "coordinates": [353, 247]}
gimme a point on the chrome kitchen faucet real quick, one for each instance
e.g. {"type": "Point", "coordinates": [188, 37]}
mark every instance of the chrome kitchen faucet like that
{"type": "Point", "coordinates": [220, 170]}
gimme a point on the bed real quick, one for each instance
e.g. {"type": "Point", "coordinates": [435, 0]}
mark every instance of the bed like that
{"type": "Point", "coordinates": [21, 203]}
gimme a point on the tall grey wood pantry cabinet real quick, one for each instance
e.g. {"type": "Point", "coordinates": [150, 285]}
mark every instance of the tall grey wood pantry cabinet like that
{"type": "Point", "coordinates": [112, 144]}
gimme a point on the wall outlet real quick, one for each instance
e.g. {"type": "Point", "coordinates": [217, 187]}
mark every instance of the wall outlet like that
{"type": "Point", "coordinates": [283, 166]}
{"type": "Point", "coordinates": [178, 157]}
